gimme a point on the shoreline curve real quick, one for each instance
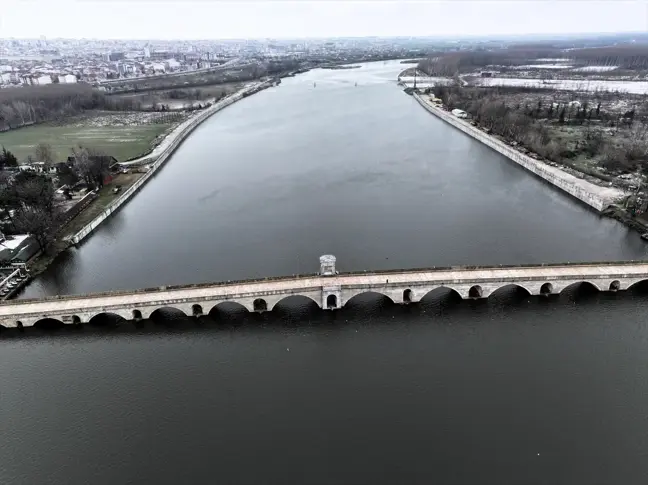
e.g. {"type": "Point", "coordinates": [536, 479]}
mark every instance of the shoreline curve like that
{"type": "Point", "coordinates": [595, 196]}
{"type": "Point", "coordinates": [178, 138]}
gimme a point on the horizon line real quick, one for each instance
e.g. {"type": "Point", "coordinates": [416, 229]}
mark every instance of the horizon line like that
{"type": "Point", "coordinates": [493, 36]}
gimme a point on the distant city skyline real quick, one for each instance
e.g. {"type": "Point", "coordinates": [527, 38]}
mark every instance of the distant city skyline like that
{"type": "Point", "coordinates": [193, 20]}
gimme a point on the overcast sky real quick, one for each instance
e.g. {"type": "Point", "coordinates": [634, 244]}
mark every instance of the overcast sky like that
{"type": "Point", "coordinates": [214, 19]}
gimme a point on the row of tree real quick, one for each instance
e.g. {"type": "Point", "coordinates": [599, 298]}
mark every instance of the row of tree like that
{"type": "Point", "coordinates": [626, 56]}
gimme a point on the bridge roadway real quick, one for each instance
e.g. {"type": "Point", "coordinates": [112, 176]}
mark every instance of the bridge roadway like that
{"type": "Point", "coordinates": [328, 289]}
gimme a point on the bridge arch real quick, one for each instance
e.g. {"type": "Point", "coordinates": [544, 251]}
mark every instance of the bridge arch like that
{"type": "Point", "coordinates": [615, 285]}
{"type": "Point", "coordinates": [49, 324]}
{"type": "Point", "coordinates": [546, 289]}
{"type": "Point", "coordinates": [507, 288]}
{"type": "Point", "coordinates": [260, 305]}
{"type": "Point", "coordinates": [475, 291]}
{"type": "Point", "coordinates": [443, 292]}
{"type": "Point", "coordinates": [581, 285]}
{"type": "Point", "coordinates": [167, 313]}
{"type": "Point", "coordinates": [136, 314]}
{"type": "Point", "coordinates": [580, 289]}
{"type": "Point", "coordinates": [295, 300]}
{"type": "Point", "coordinates": [105, 319]}
{"type": "Point", "coordinates": [332, 302]}
{"type": "Point", "coordinates": [369, 297]}
{"type": "Point", "coordinates": [196, 310]}
{"type": "Point", "coordinates": [407, 296]}
{"type": "Point", "coordinates": [228, 308]}
{"type": "Point", "coordinates": [638, 284]}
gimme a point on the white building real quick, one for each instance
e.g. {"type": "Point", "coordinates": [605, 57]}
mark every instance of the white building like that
{"type": "Point", "coordinates": [38, 167]}
{"type": "Point", "coordinates": [171, 64]}
{"type": "Point", "coordinates": [10, 247]}
{"type": "Point", "coordinates": [67, 79]}
{"type": "Point", "coordinates": [42, 80]}
{"type": "Point", "coordinates": [459, 113]}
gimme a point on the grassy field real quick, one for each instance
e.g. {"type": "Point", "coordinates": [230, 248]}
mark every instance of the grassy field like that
{"type": "Point", "coordinates": [122, 142]}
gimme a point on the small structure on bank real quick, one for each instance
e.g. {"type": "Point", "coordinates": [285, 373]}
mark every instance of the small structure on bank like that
{"type": "Point", "coordinates": [17, 248]}
{"type": "Point", "coordinates": [459, 113]}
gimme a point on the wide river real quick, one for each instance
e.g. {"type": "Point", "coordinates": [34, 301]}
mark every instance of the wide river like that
{"type": "Point", "coordinates": [508, 390]}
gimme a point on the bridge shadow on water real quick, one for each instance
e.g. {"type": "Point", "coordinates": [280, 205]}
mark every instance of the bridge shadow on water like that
{"type": "Point", "coordinates": [365, 309]}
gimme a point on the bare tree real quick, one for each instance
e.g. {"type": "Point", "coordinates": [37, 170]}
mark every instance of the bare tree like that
{"type": "Point", "coordinates": [34, 190]}
{"type": "Point", "coordinates": [38, 222]}
{"type": "Point", "coordinates": [91, 165]}
{"type": "Point", "coordinates": [44, 154]}
{"type": "Point", "coordinates": [7, 159]}
{"type": "Point", "coordinates": [8, 200]}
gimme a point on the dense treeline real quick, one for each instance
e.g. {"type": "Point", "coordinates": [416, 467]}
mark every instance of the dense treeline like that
{"type": "Point", "coordinates": [447, 64]}
{"type": "Point", "coordinates": [36, 104]}
{"type": "Point", "coordinates": [188, 80]}
{"type": "Point", "coordinates": [624, 56]}
{"type": "Point", "coordinates": [529, 125]}
{"type": "Point", "coordinates": [275, 67]}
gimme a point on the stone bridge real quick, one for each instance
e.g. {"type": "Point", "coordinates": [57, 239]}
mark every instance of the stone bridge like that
{"type": "Point", "coordinates": [328, 289]}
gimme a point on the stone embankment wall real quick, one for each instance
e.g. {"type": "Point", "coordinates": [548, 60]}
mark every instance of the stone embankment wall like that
{"type": "Point", "coordinates": [162, 159]}
{"type": "Point", "coordinates": [595, 196]}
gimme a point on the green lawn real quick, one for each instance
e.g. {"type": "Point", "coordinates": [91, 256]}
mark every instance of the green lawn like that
{"type": "Point", "coordinates": [122, 142]}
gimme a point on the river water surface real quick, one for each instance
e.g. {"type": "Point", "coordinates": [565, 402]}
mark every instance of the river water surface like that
{"type": "Point", "coordinates": [509, 390]}
{"type": "Point", "coordinates": [317, 166]}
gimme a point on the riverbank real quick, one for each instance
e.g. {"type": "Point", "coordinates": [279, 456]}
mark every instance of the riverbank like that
{"type": "Point", "coordinates": [593, 195]}
{"type": "Point", "coordinates": [169, 145]}
{"type": "Point", "coordinates": [74, 233]}
{"type": "Point", "coordinates": [178, 131]}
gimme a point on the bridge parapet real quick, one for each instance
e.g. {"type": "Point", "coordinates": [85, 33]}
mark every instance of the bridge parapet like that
{"type": "Point", "coordinates": [328, 289]}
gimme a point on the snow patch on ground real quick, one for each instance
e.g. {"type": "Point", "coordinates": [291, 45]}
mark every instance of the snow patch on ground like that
{"type": "Point", "coordinates": [134, 118]}
{"type": "Point", "coordinates": [544, 66]}
{"type": "Point", "coordinates": [595, 68]}
{"type": "Point", "coordinates": [425, 80]}
{"type": "Point", "coordinates": [634, 87]}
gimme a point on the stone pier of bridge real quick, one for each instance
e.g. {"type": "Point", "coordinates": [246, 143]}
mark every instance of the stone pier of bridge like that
{"type": "Point", "coordinates": [328, 289]}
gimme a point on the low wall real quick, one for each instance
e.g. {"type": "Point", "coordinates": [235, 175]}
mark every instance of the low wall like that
{"type": "Point", "coordinates": [556, 177]}
{"type": "Point", "coordinates": [76, 208]}
{"type": "Point", "coordinates": [162, 159]}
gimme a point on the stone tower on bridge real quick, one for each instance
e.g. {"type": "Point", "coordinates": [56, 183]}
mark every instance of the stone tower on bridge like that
{"type": "Point", "coordinates": [327, 265]}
